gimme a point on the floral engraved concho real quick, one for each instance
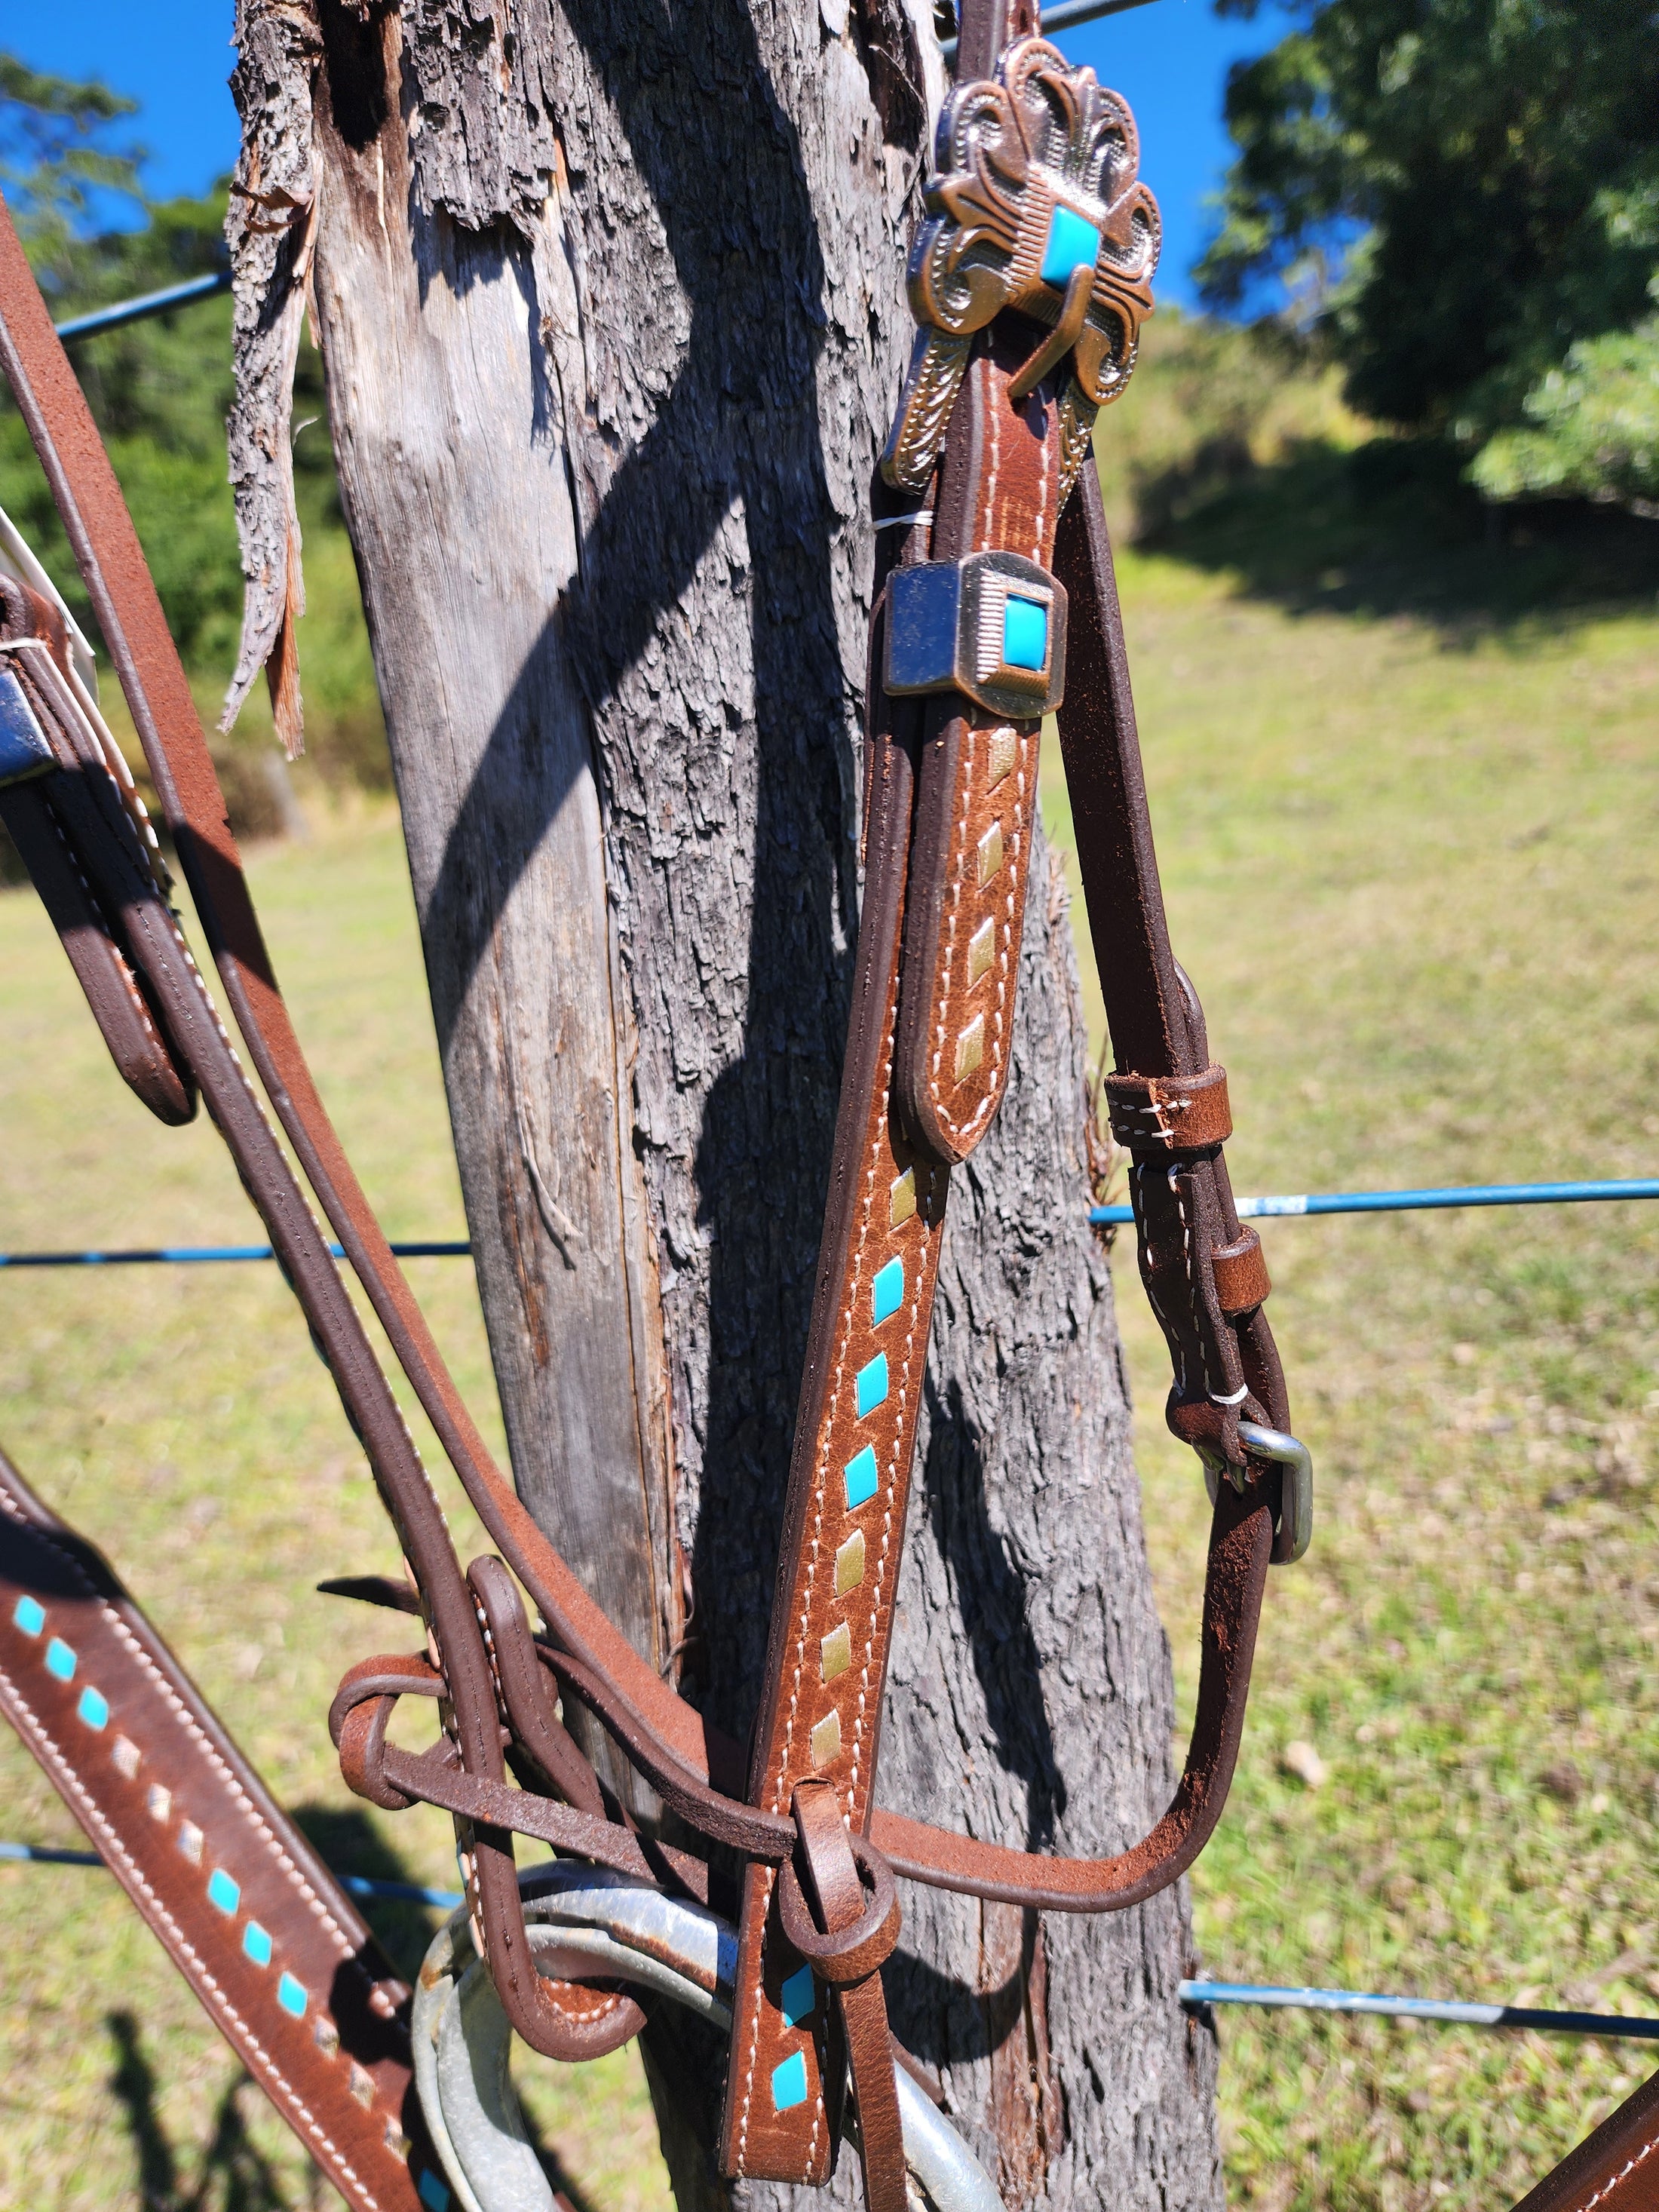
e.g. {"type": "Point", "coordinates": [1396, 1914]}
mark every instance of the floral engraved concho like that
{"type": "Point", "coordinates": [1037, 205]}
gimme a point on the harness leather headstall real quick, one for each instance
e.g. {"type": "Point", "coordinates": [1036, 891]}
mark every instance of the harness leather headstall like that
{"type": "Point", "coordinates": [1030, 276]}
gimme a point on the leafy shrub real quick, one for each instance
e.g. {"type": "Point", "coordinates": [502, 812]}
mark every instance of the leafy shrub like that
{"type": "Point", "coordinates": [1593, 429]}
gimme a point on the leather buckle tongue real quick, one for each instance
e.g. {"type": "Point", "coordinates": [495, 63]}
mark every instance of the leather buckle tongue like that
{"type": "Point", "coordinates": [845, 1942]}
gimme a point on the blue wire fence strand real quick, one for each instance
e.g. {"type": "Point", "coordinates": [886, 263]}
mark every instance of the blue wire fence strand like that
{"type": "Point", "coordinates": [149, 303]}
{"type": "Point", "coordinates": [1194, 1993]}
{"type": "Point", "coordinates": [1249, 1209]}
{"type": "Point", "coordinates": [1420, 1201]}
{"type": "Point", "coordinates": [196, 1254]}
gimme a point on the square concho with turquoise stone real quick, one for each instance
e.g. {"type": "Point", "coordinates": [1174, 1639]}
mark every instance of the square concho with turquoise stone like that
{"type": "Point", "coordinates": [1025, 634]}
{"type": "Point", "coordinates": [1072, 243]}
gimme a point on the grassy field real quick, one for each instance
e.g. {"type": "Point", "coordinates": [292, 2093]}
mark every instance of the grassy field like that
{"type": "Point", "coordinates": [1408, 856]}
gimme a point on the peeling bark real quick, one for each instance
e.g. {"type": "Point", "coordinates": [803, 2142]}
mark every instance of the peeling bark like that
{"type": "Point", "coordinates": [271, 228]}
{"type": "Point", "coordinates": [610, 302]}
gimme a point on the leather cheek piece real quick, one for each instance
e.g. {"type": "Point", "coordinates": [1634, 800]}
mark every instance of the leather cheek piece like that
{"type": "Point", "coordinates": [1242, 1281]}
{"type": "Point", "coordinates": [1169, 1113]}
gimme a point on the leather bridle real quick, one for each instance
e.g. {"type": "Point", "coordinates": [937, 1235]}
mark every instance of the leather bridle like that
{"type": "Point", "coordinates": [995, 602]}
{"type": "Point", "coordinates": [951, 786]}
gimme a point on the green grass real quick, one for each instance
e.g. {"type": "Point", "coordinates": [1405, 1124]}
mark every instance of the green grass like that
{"type": "Point", "coordinates": [1409, 864]}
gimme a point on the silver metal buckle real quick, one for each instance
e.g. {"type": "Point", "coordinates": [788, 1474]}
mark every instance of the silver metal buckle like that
{"type": "Point", "coordinates": [1296, 1512]}
{"type": "Point", "coordinates": [1296, 1509]}
{"type": "Point", "coordinates": [991, 625]}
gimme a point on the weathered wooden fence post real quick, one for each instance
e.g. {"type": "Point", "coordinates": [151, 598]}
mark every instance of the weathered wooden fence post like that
{"type": "Point", "coordinates": [610, 299]}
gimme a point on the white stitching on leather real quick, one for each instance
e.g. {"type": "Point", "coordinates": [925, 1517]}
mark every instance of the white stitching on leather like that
{"type": "Point", "coordinates": [960, 842]}
{"type": "Point", "coordinates": [1629, 2167]}
{"type": "Point", "coordinates": [1172, 1334]}
{"type": "Point", "coordinates": [767, 1880]}
{"type": "Point", "coordinates": [1037, 529]}
{"type": "Point", "coordinates": [273, 1843]}
{"type": "Point", "coordinates": [1202, 1335]}
{"type": "Point", "coordinates": [52, 1756]}
{"type": "Point", "coordinates": [988, 512]}
{"type": "Point", "coordinates": [991, 1089]}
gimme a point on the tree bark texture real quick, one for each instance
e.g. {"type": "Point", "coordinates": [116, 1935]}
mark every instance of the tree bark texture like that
{"type": "Point", "coordinates": [610, 303]}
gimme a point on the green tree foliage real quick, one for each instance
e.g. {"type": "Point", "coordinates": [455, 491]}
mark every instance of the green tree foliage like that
{"type": "Point", "coordinates": [158, 390]}
{"type": "Point", "coordinates": [51, 160]}
{"type": "Point", "coordinates": [1592, 428]}
{"type": "Point", "coordinates": [1492, 167]}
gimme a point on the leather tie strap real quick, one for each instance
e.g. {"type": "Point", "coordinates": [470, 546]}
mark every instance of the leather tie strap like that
{"type": "Point", "coordinates": [856, 1937]}
{"type": "Point", "coordinates": [1203, 1273]}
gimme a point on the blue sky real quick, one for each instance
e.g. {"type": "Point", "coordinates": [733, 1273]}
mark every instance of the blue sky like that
{"type": "Point", "coordinates": [1169, 59]}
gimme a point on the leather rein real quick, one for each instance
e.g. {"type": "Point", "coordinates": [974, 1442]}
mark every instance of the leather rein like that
{"type": "Point", "coordinates": [996, 604]}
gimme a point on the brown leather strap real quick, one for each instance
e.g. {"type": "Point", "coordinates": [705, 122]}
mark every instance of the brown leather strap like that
{"type": "Point", "coordinates": [261, 1930]}
{"type": "Point", "coordinates": [125, 1018]}
{"type": "Point", "coordinates": [1615, 2169]}
{"type": "Point", "coordinates": [854, 1975]}
{"type": "Point", "coordinates": [1170, 1114]}
{"type": "Point", "coordinates": [1169, 1102]}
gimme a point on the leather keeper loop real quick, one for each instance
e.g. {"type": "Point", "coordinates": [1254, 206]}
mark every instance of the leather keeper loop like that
{"type": "Point", "coordinates": [362, 1755]}
{"type": "Point", "coordinates": [846, 1955]}
{"type": "Point", "coordinates": [1169, 1113]}
{"type": "Point", "coordinates": [391, 1675]}
{"type": "Point", "coordinates": [1242, 1280]}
